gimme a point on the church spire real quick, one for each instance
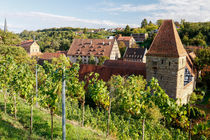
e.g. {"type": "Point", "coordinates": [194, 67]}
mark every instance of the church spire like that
{"type": "Point", "coordinates": [5, 25]}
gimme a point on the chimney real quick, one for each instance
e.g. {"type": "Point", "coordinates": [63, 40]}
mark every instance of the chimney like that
{"type": "Point", "coordinates": [103, 43]}
{"type": "Point", "coordinates": [109, 42]}
{"type": "Point", "coordinates": [91, 42]}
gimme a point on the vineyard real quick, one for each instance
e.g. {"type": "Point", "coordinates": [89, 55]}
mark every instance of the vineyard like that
{"type": "Point", "coordinates": [123, 108]}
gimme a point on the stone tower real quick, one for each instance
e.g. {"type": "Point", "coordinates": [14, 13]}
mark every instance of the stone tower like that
{"type": "Point", "coordinates": [166, 61]}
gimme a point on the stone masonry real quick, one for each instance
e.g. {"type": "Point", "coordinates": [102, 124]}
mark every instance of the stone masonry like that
{"type": "Point", "coordinates": [166, 61]}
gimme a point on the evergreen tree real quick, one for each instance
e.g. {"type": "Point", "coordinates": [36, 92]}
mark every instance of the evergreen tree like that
{"type": "Point", "coordinates": [127, 30]}
{"type": "Point", "coordinates": [144, 23]}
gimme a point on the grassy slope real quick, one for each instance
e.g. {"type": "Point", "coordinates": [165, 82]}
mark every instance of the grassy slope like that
{"type": "Point", "coordinates": [19, 129]}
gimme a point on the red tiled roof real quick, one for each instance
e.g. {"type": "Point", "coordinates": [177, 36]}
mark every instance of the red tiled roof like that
{"type": "Point", "coordinates": [113, 68]}
{"type": "Point", "coordinates": [125, 64]}
{"type": "Point", "coordinates": [124, 38]}
{"type": "Point", "coordinates": [87, 47]}
{"type": "Point", "coordinates": [194, 47]}
{"type": "Point", "coordinates": [48, 56]}
{"type": "Point", "coordinates": [190, 65]}
{"type": "Point", "coordinates": [63, 52]}
{"type": "Point", "coordinates": [167, 42]}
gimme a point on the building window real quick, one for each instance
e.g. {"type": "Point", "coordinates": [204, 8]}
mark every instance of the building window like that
{"type": "Point", "coordinates": [154, 63]}
{"type": "Point", "coordinates": [162, 62]}
{"type": "Point", "coordinates": [169, 63]}
{"type": "Point", "coordinates": [187, 76]}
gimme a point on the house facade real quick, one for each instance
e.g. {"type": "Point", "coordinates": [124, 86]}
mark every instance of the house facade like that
{"type": "Point", "coordinates": [141, 37]}
{"type": "Point", "coordinates": [168, 61]}
{"type": "Point", "coordinates": [128, 40]}
{"type": "Point", "coordinates": [31, 47]}
{"type": "Point", "coordinates": [84, 48]}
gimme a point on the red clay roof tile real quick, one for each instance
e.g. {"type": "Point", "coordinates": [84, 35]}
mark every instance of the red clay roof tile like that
{"type": "Point", "coordinates": [87, 47]}
{"type": "Point", "coordinates": [48, 56]}
{"type": "Point", "coordinates": [26, 45]}
{"type": "Point", "coordinates": [167, 42]}
{"type": "Point", "coordinates": [113, 67]}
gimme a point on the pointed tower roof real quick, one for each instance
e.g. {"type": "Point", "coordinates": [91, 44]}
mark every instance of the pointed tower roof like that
{"type": "Point", "coordinates": [167, 42]}
{"type": "Point", "coordinates": [5, 25]}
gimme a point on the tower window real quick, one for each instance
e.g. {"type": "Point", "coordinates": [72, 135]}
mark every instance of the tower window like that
{"type": "Point", "coordinates": [154, 63]}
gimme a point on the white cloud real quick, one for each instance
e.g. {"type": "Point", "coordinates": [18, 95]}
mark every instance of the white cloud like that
{"type": "Point", "coordinates": [132, 8]}
{"type": "Point", "coordinates": [191, 10]}
{"type": "Point", "coordinates": [37, 20]}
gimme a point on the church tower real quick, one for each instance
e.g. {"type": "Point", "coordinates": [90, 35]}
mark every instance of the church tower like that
{"type": "Point", "coordinates": [166, 60]}
{"type": "Point", "coordinates": [5, 25]}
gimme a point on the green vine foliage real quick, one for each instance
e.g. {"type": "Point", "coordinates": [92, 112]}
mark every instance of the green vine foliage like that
{"type": "Point", "coordinates": [98, 91]}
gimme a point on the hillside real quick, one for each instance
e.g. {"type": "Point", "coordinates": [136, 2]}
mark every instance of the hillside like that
{"type": "Point", "coordinates": [18, 129]}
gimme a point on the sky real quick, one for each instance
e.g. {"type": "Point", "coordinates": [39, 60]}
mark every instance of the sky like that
{"type": "Point", "coordinates": [40, 14]}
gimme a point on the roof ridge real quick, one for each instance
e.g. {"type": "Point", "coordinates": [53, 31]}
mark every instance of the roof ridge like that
{"type": "Point", "coordinates": [177, 39]}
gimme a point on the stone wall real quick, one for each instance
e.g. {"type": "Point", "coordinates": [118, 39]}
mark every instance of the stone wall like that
{"type": "Point", "coordinates": [170, 75]}
{"type": "Point", "coordinates": [165, 70]}
{"type": "Point", "coordinates": [185, 93]}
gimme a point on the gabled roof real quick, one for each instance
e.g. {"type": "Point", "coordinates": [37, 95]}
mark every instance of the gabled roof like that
{"type": "Point", "coordinates": [26, 45]}
{"type": "Point", "coordinates": [124, 38]}
{"type": "Point", "coordinates": [139, 37]}
{"type": "Point", "coordinates": [87, 47]}
{"type": "Point", "coordinates": [167, 42]}
{"type": "Point", "coordinates": [134, 53]}
{"type": "Point", "coordinates": [193, 48]}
